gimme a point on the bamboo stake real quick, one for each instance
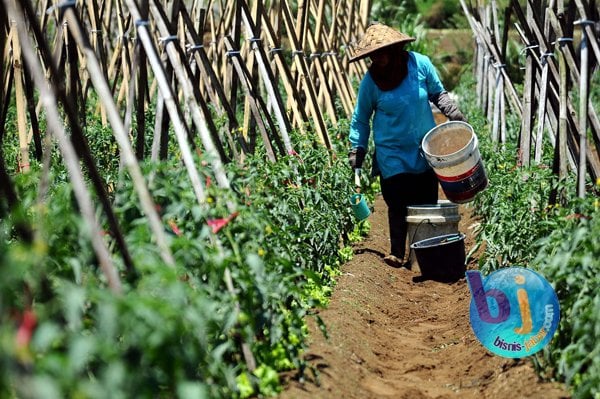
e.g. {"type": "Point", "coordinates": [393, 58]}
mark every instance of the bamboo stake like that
{"type": "Point", "coordinates": [268, 78]}
{"type": "Point", "coordinates": [542, 98]}
{"type": "Point", "coordinates": [251, 95]}
{"type": "Point", "coordinates": [299, 114]}
{"type": "Point", "coordinates": [78, 137]}
{"type": "Point", "coordinates": [583, 105]}
{"type": "Point", "coordinates": [4, 49]}
{"type": "Point", "coordinates": [6, 95]}
{"type": "Point", "coordinates": [33, 118]}
{"type": "Point", "coordinates": [170, 104]}
{"type": "Point", "coordinates": [543, 84]}
{"type": "Point", "coordinates": [481, 32]}
{"type": "Point", "coordinates": [300, 62]}
{"type": "Point", "coordinates": [20, 101]}
{"type": "Point", "coordinates": [122, 138]}
{"type": "Point", "coordinates": [188, 93]}
{"type": "Point", "coordinates": [562, 125]}
{"type": "Point", "coordinates": [57, 129]}
{"type": "Point", "coordinates": [209, 76]}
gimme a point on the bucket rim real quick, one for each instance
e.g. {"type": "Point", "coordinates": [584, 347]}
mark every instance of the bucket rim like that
{"type": "Point", "coordinates": [432, 219]}
{"type": "Point", "coordinates": [433, 206]}
{"type": "Point", "coordinates": [437, 241]}
{"type": "Point", "coordinates": [354, 196]}
{"type": "Point", "coordinates": [441, 126]}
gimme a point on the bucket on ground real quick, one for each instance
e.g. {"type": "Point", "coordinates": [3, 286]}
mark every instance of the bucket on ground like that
{"type": "Point", "coordinates": [451, 149]}
{"type": "Point", "coordinates": [441, 258]}
{"type": "Point", "coordinates": [359, 206]}
{"type": "Point", "coordinates": [430, 220]}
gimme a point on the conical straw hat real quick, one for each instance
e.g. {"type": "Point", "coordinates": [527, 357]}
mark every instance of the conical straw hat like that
{"type": "Point", "coordinates": [377, 37]}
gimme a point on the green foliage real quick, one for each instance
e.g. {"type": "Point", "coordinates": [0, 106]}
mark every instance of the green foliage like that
{"type": "Point", "coordinates": [443, 14]}
{"type": "Point", "coordinates": [519, 227]}
{"type": "Point", "coordinates": [175, 331]}
{"type": "Point", "coordinates": [570, 258]}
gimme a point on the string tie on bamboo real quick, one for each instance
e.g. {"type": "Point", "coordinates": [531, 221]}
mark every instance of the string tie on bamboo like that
{"type": "Point", "coordinates": [255, 40]}
{"type": "Point", "coordinates": [583, 22]}
{"type": "Point", "coordinates": [314, 55]}
{"type": "Point", "coordinates": [65, 4]}
{"type": "Point", "coordinates": [563, 40]}
{"type": "Point", "coordinates": [533, 46]}
{"type": "Point", "coordinates": [167, 39]}
{"type": "Point", "coordinates": [544, 57]}
{"type": "Point", "coordinates": [528, 50]}
{"type": "Point", "coordinates": [297, 52]}
{"type": "Point", "coordinates": [232, 53]}
{"type": "Point", "coordinates": [194, 47]}
{"type": "Point", "coordinates": [275, 50]}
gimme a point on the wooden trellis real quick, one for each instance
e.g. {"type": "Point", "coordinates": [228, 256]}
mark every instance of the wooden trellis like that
{"type": "Point", "coordinates": [235, 56]}
{"type": "Point", "coordinates": [553, 65]}
{"type": "Point", "coordinates": [262, 67]}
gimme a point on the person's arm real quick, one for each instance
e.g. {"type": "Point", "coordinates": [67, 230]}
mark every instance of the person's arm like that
{"type": "Point", "coordinates": [360, 127]}
{"type": "Point", "coordinates": [439, 96]}
{"type": "Point", "coordinates": [448, 107]}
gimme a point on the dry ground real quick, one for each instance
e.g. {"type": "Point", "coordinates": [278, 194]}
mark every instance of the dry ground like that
{"type": "Point", "coordinates": [394, 336]}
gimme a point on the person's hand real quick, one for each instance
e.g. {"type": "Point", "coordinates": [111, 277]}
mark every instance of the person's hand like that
{"type": "Point", "coordinates": [356, 157]}
{"type": "Point", "coordinates": [448, 107]}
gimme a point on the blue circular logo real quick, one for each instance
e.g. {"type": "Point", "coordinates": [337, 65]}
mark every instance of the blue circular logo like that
{"type": "Point", "coordinates": [514, 312]}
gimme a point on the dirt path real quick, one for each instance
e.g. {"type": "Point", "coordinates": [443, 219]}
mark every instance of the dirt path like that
{"type": "Point", "coordinates": [391, 336]}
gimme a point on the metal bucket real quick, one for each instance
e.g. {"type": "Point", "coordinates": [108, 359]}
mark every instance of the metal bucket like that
{"type": "Point", "coordinates": [426, 221]}
{"type": "Point", "coordinates": [451, 149]}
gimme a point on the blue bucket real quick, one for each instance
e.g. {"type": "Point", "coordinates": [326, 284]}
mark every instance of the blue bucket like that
{"type": "Point", "coordinates": [359, 207]}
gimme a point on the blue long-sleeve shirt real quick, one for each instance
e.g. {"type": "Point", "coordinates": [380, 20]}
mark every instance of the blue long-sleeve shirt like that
{"type": "Point", "coordinates": [401, 117]}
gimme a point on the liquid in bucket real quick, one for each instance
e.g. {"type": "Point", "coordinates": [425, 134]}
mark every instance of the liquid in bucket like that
{"type": "Point", "coordinates": [451, 149]}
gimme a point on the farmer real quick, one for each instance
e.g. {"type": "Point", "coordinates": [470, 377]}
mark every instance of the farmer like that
{"type": "Point", "coordinates": [395, 92]}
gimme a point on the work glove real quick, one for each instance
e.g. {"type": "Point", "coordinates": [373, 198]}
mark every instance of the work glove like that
{"type": "Point", "coordinates": [448, 107]}
{"type": "Point", "coordinates": [356, 157]}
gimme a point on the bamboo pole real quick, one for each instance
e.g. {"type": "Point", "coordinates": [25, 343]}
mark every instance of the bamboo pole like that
{"type": "Point", "coordinates": [77, 136]}
{"type": "Point", "coordinates": [188, 93]}
{"type": "Point", "coordinates": [528, 97]}
{"type": "Point", "coordinates": [122, 138]}
{"type": "Point", "coordinates": [170, 104]}
{"type": "Point", "coordinates": [478, 30]}
{"type": "Point", "coordinates": [562, 125]}
{"type": "Point", "coordinates": [308, 86]}
{"type": "Point", "coordinates": [33, 118]}
{"type": "Point", "coordinates": [251, 96]}
{"type": "Point", "coordinates": [57, 129]}
{"type": "Point", "coordinates": [541, 115]}
{"type": "Point", "coordinates": [583, 105]}
{"type": "Point", "coordinates": [20, 99]}
{"type": "Point", "coordinates": [268, 77]}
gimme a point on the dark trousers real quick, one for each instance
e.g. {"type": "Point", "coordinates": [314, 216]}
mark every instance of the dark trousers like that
{"type": "Point", "coordinates": [400, 191]}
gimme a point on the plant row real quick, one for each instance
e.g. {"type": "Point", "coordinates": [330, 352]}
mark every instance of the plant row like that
{"type": "Point", "coordinates": [251, 263]}
{"type": "Point", "coordinates": [531, 218]}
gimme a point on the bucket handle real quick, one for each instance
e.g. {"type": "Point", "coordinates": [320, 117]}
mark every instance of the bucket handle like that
{"type": "Point", "coordinates": [416, 230]}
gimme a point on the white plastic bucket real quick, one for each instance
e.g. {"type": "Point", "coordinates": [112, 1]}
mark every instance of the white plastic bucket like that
{"type": "Point", "coordinates": [427, 221]}
{"type": "Point", "coordinates": [451, 150]}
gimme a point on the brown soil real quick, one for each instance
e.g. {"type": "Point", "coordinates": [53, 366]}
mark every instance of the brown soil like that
{"type": "Point", "coordinates": [394, 336]}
